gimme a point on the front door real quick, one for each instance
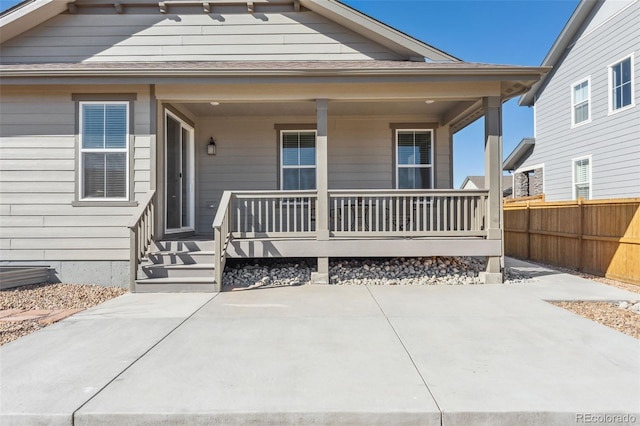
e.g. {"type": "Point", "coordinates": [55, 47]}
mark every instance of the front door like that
{"type": "Point", "coordinates": [179, 175]}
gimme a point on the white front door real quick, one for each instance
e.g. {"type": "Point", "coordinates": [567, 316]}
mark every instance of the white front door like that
{"type": "Point", "coordinates": [179, 175]}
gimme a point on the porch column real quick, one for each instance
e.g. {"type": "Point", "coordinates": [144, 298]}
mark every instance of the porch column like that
{"type": "Point", "coordinates": [322, 184]}
{"type": "Point", "coordinates": [322, 206]}
{"type": "Point", "coordinates": [493, 181]}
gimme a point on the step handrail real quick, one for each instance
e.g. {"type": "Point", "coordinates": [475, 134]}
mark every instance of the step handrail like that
{"type": "Point", "coordinates": [141, 234]}
{"type": "Point", "coordinates": [221, 237]}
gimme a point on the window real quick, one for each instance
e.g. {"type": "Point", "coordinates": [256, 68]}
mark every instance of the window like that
{"type": "Point", "coordinates": [621, 84]}
{"type": "Point", "coordinates": [298, 160]}
{"type": "Point", "coordinates": [104, 150]}
{"type": "Point", "coordinates": [581, 102]}
{"type": "Point", "coordinates": [582, 178]}
{"type": "Point", "coordinates": [414, 159]}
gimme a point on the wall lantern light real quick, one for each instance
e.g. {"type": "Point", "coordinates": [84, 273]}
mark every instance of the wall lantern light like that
{"type": "Point", "coordinates": [211, 148]}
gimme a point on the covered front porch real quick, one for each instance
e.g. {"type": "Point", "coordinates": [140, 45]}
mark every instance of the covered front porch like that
{"type": "Point", "coordinates": [371, 161]}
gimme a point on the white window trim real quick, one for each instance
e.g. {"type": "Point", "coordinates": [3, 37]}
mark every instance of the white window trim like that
{"type": "Point", "coordinates": [573, 105]}
{"type": "Point", "coordinates": [82, 150]}
{"type": "Point", "coordinates": [610, 83]}
{"type": "Point", "coordinates": [573, 176]}
{"type": "Point", "coordinates": [282, 166]}
{"type": "Point", "coordinates": [398, 166]}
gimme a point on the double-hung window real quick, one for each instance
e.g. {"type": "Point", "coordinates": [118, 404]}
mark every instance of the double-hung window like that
{"type": "Point", "coordinates": [621, 84]}
{"type": "Point", "coordinates": [104, 151]}
{"type": "Point", "coordinates": [581, 102]}
{"type": "Point", "coordinates": [298, 160]}
{"type": "Point", "coordinates": [582, 178]}
{"type": "Point", "coordinates": [414, 159]}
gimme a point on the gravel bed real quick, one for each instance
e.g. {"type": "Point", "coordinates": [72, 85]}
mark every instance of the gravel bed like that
{"type": "Point", "coordinates": [242, 274]}
{"type": "Point", "coordinates": [621, 316]}
{"type": "Point", "coordinates": [48, 296]}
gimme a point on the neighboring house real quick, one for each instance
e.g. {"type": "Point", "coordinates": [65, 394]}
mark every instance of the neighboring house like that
{"type": "Point", "coordinates": [135, 131]}
{"type": "Point", "coordinates": [478, 182]}
{"type": "Point", "coordinates": [587, 121]}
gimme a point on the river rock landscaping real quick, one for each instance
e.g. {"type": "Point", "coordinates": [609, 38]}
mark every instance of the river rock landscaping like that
{"type": "Point", "coordinates": [386, 271]}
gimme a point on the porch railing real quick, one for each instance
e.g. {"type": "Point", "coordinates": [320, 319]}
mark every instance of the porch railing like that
{"type": "Point", "coordinates": [352, 213]}
{"type": "Point", "coordinates": [407, 213]}
{"type": "Point", "coordinates": [265, 214]}
{"type": "Point", "coordinates": [221, 237]}
{"type": "Point", "coordinates": [141, 233]}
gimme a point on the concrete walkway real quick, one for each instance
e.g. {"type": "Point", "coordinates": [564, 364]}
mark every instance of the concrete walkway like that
{"type": "Point", "coordinates": [433, 355]}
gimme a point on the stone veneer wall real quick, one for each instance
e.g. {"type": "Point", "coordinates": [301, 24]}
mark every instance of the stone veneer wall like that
{"type": "Point", "coordinates": [528, 183]}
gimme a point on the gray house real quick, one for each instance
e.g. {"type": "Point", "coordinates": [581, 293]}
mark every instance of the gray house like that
{"type": "Point", "coordinates": [587, 121]}
{"type": "Point", "coordinates": [143, 143]}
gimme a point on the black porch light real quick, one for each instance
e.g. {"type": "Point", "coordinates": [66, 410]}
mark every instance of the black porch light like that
{"type": "Point", "coordinates": [211, 148]}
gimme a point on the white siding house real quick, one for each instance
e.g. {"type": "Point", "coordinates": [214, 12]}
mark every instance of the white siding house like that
{"type": "Point", "coordinates": [587, 117]}
{"type": "Point", "coordinates": [134, 132]}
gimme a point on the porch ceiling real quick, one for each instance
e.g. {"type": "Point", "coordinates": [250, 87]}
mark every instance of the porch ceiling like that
{"type": "Point", "coordinates": [433, 111]}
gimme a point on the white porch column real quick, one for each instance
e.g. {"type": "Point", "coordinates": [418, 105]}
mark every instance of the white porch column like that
{"type": "Point", "coordinates": [493, 180]}
{"type": "Point", "coordinates": [322, 184]}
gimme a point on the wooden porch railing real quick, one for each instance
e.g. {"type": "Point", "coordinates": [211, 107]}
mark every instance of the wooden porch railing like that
{"type": "Point", "coordinates": [141, 233]}
{"type": "Point", "coordinates": [221, 237]}
{"type": "Point", "coordinates": [407, 213]}
{"type": "Point", "coordinates": [265, 214]}
{"type": "Point", "coordinates": [352, 213]}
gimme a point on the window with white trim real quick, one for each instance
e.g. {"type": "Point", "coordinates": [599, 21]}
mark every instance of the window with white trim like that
{"type": "Point", "coordinates": [581, 102]}
{"type": "Point", "coordinates": [297, 160]}
{"type": "Point", "coordinates": [621, 84]}
{"type": "Point", "coordinates": [582, 178]}
{"type": "Point", "coordinates": [414, 159]}
{"type": "Point", "coordinates": [104, 151]}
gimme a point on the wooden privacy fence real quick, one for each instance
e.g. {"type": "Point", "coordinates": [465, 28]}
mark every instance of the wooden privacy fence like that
{"type": "Point", "coordinates": [600, 237]}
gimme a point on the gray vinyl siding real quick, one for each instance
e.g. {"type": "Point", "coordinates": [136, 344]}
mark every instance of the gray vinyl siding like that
{"type": "Point", "coordinates": [37, 179]}
{"type": "Point", "coordinates": [612, 140]}
{"type": "Point", "coordinates": [360, 156]}
{"type": "Point", "coordinates": [190, 37]}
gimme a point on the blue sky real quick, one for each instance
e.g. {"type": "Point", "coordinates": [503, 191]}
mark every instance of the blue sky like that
{"type": "Point", "coordinates": [516, 32]}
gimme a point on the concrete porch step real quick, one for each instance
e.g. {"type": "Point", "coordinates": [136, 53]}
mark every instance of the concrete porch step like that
{"type": "Point", "coordinates": [196, 270]}
{"type": "Point", "coordinates": [176, 285]}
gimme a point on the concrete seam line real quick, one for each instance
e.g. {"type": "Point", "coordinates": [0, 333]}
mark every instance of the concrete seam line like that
{"type": "Point", "coordinates": [407, 352]}
{"type": "Point", "coordinates": [73, 415]}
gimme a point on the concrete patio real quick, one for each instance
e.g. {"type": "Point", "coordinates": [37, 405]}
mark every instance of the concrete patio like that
{"type": "Point", "coordinates": [370, 355]}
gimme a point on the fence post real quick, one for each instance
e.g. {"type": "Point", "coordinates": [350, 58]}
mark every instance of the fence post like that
{"type": "Point", "coordinates": [528, 229]}
{"type": "Point", "coordinates": [580, 232]}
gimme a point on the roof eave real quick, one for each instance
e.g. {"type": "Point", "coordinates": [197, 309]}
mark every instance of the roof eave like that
{"type": "Point", "coordinates": [559, 46]}
{"type": "Point", "coordinates": [29, 14]}
{"type": "Point", "coordinates": [524, 73]}
{"type": "Point", "coordinates": [523, 148]}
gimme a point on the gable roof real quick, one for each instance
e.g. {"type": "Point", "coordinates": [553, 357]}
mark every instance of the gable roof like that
{"type": "Point", "coordinates": [31, 13]}
{"type": "Point", "coordinates": [559, 47]}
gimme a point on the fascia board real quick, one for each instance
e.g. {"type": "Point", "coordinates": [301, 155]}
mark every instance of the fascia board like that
{"type": "Point", "coordinates": [30, 15]}
{"type": "Point", "coordinates": [524, 147]}
{"type": "Point", "coordinates": [568, 33]}
{"type": "Point", "coordinates": [518, 73]}
{"type": "Point", "coordinates": [376, 31]}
